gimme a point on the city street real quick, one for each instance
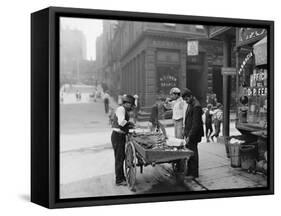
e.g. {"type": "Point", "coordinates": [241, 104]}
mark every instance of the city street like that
{"type": "Point", "coordinates": [87, 160]}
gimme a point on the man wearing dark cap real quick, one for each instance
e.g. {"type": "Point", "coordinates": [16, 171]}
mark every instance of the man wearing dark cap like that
{"type": "Point", "coordinates": [193, 131]}
{"type": "Point", "coordinates": [121, 126]}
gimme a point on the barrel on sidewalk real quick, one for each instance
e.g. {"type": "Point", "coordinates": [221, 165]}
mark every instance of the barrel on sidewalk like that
{"type": "Point", "coordinates": [234, 153]}
{"type": "Point", "coordinates": [248, 155]}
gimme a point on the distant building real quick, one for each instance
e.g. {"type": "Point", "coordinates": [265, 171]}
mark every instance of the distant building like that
{"type": "Point", "coordinates": [87, 70]}
{"type": "Point", "coordinates": [99, 58]}
{"type": "Point", "coordinates": [72, 53]}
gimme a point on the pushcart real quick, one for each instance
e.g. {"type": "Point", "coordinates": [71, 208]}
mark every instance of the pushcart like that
{"type": "Point", "coordinates": [138, 155]}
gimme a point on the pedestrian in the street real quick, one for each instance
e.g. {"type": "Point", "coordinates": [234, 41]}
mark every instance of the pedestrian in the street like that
{"type": "Point", "coordinates": [95, 94]}
{"type": "Point", "coordinates": [193, 131]}
{"type": "Point", "coordinates": [178, 106]}
{"type": "Point", "coordinates": [137, 108]}
{"type": "Point", "coordinates": [106, 102]}
{"type": "Point", "coordinates": [78, 95]}
{"type": "Point", "coordinates": [121, 126]}
{"type": "Point", "coordinates": [208, 122]}
{"type": "Point", "coordinates": [157, 114]}
{"type": "Point", "coordinates": [218, 118]}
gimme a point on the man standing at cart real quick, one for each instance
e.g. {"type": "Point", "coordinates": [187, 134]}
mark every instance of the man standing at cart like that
{"type": "Point", "coordinates": [121, 126]}
{"type": "Point", "coordinates": [193, 131]}
{"type": "Point", "coordinates": [178, 105]}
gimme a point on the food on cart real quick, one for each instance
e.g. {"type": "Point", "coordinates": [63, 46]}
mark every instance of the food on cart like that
{"type": "Point", "coordinates": [156, 141]}
{"type": "Point", "coordinates": [149, 140]}
{"type": "Point", "coordinates": [175, 142]}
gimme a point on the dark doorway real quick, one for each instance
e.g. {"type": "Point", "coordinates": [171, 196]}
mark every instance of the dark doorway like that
{"type": "Point", "coordinates": [195, 79]}
{"type": "Point", "coordinates": [217, 82]}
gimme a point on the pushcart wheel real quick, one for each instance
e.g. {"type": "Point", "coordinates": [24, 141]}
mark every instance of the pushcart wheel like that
{"type": "Point", "coordinates": [174, 167]}
{"type": "Point", "coordinates": [180, 169]}
{"type": "Point", "coordinates": [130, 165]}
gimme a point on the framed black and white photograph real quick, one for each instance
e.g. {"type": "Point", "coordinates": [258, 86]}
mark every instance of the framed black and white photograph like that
{"type": "Point", "coordinates": [137, 107]}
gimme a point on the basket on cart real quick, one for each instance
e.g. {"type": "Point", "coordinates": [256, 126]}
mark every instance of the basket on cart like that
{"type": "Point", "coordinates": [150, 148]}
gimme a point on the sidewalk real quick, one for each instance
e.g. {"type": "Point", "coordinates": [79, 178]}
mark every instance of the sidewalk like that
{"type": "Point", "coordinates": [91, 173]}
{"type": "Point", "coordinates": [216, 173]}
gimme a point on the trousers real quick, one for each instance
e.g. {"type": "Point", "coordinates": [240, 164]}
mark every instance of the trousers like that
{"type": "Point", "coordinates": [209, 130]}
{"type": "Point", "coordinates": [118, 141]}
{"type": "Point", "coordinates": [193, 163]}
{"type": "Point", "coordinates": [178, 124]}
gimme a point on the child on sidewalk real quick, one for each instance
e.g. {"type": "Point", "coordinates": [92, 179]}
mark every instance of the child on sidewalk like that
{"type": "Point", "coordinates": [208, 122]}
{"type": "Point", "coordinates": [218, 118]}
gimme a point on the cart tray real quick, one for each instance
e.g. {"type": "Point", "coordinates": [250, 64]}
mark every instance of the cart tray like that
{"type": "Point", "coordinates": [159, 155]}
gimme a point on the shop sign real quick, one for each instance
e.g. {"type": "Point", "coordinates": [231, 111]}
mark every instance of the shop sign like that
{"type": "Point", "coordinates": [249, 35]}
{"type": "Point", "coordinates": [167, 81]}
{"type": "Point", "coordinates": [248, 57]}
{"type": "Point", "coordinates": [257, 91]}
{"type": "Point", "coordinates": [260, 51]}
{"type": "Point", "coordinates": [231, 71]}
{"type": "Point", "coordinates": [192, 48]}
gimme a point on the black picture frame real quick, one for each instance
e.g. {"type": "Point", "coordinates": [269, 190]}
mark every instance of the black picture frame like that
{"type": "Point", "coordinates": [45, 106]}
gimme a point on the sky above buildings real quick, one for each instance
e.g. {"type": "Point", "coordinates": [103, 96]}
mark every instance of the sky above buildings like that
{"type": "Point", "coordinates": [91, 28]}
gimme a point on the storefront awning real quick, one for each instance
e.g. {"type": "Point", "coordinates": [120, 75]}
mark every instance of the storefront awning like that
{"type": "Point", "coordinates": [260, 51]}
{"type": "Point", "coordinates": [249, 36]}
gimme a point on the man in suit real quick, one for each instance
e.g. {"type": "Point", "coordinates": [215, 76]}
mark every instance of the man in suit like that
{"type": "Point", "coordinates": [193, 131]}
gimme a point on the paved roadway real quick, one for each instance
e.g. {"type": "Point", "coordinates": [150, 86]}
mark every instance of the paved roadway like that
{"type": "Point", "coordinates": [87, 160]}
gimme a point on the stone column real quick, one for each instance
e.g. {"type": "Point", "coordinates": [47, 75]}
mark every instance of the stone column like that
{"type": "Point", "coordinates": [226, 85]}
{"type": "Point", "coordinates": [182, 72]}
{"type": "Point", "coordinates": [150, 77]}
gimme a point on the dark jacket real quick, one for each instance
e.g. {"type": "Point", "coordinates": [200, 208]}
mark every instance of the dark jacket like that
{"type": "Point", "coordinates": [154, 115]}
{"type": "Point", "coordinates": [193, 127]}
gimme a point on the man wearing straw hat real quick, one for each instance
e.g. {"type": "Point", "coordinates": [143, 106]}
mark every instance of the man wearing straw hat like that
{"type": "Point", "coordinates": [177, 104]}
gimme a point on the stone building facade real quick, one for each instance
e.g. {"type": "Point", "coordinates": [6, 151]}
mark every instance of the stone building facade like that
{"type": "Point", "coordinates": [148, 59]}
{"type": "Point", "coordinates": [152, 58]}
